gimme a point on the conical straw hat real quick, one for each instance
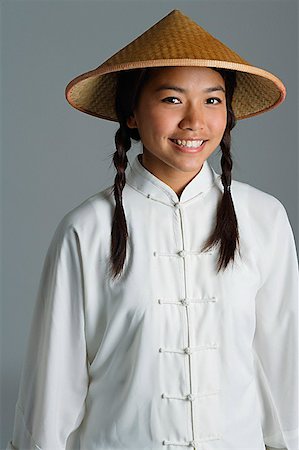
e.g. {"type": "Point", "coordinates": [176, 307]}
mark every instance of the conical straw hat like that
{"type": "Point", "coordinates": [175, 41]}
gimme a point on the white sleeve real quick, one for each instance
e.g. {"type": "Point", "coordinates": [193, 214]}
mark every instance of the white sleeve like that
{"type": "Point", "coordinates": [275, 345]}
{"type": "Point", "coordinates": [54, 381]}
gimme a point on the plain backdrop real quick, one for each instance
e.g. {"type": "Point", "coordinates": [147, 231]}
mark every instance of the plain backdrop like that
{"type": "Point", "coordinates": [54, 157]}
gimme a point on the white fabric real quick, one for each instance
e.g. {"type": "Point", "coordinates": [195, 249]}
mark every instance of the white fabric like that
{"type": "Point", "coordinates": [172, 355]}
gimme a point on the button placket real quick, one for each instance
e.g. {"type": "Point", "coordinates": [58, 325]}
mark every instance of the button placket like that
{"type": "Point", "coordinates": [183, 253]}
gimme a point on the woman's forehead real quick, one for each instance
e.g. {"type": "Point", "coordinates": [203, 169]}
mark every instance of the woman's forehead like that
{"type": "Point", "coordinates": [190, 76]}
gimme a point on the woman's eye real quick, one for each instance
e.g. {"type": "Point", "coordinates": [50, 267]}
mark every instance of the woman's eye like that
{"type": "Point", "coordinates": [173, 100]}
{"type": "Point", "coordinates": [214, 101]}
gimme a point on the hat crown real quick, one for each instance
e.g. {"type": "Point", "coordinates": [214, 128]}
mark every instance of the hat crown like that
{"type": "Point", "coordinates": [176, 35]}
{"type": "Point", "coordinates": [175, 40]}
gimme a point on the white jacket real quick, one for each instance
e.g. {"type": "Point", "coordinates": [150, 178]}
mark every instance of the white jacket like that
{"type": "Point", "coordinates": [172, 355]}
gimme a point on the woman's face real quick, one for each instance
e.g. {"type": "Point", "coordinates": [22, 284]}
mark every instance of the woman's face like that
{"type": "Point", "coordinates": [181, 117]}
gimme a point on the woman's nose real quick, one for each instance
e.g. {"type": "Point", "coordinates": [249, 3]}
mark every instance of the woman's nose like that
{"type": "Point", "coordinates": [194, 118]}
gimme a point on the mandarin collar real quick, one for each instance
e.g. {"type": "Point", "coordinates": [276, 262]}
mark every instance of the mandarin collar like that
{"type": "Point", "coordinates": [142, 180]}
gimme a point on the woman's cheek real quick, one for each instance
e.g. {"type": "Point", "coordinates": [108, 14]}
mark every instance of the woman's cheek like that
{"type": "Point", "coordinates": [218, 121]}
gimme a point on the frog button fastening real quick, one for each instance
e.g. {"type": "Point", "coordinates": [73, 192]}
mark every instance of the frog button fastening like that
{"type": "Point", "coordinates": [185, 302]}
{"type": "Point", "coordinates": [188, 350]}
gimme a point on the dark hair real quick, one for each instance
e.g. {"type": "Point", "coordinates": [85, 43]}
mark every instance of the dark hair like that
{"type": "Point", "coordinates": [225, 235]}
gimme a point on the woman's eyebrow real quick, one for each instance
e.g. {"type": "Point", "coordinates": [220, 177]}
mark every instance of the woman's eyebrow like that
{"type": "Point", "coordinates": [214, 88]}
{"type": "Point", "coordinates": [165, 87]}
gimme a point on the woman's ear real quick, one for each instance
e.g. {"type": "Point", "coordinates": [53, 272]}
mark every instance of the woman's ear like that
{"type": "Point", "coordinates": [131, 122]}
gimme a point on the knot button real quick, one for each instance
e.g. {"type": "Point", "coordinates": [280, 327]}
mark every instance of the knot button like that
{"type": "Point", "coordinates": [190, 397]}
{"type": "Point", "coordinates": [185, 302]}
{"type": "Point", "coordinates": [193, 444]}
{"type": "Point", "coordinates": [188, 350]}
{"type": "Point", "coordinates": [182, 253]}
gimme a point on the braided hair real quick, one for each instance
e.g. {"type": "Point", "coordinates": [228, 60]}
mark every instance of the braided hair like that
{"type": "Point", "coordinates": [226, 235]}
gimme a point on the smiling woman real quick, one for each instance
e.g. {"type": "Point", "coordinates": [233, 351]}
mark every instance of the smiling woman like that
{"type": "Point", "coordinates": [163, 296]}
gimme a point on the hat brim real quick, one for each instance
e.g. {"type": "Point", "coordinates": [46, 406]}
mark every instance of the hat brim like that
{"type": "Point", "coordinates": [257, 90]}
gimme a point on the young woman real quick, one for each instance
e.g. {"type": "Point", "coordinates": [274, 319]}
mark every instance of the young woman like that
{"type": "Point", "coordinates": [167, 309]}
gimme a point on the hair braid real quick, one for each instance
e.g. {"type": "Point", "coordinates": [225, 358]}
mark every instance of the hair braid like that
{"type": "Point", "coordinates": [119, 230]}
{"type": "Point", "coordinates": [128, 86]}
{"type": "Point", "coordinates": [226, 231]}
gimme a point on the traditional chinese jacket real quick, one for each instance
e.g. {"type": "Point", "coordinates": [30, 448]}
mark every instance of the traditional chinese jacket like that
{"type": "Point", "coordinates": [172, 354]}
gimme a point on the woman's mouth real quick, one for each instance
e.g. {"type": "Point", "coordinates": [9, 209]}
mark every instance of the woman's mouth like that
{"type": "Point", "coordinates": [189, 145]}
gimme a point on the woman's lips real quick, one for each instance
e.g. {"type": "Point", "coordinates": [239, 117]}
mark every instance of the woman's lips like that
{"type": "Point", "coordinates": [189, 146]}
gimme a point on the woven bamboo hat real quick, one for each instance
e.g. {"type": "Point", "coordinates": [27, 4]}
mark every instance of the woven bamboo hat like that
{"type": "Point", "coordinates": [175, 41]}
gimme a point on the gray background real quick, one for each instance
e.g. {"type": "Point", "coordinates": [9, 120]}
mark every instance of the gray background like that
{"type": "Point", "coordinates": [53, 157]}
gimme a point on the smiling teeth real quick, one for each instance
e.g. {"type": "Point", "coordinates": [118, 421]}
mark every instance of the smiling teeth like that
{"type": "Point", "coordinates": [189, 144]}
